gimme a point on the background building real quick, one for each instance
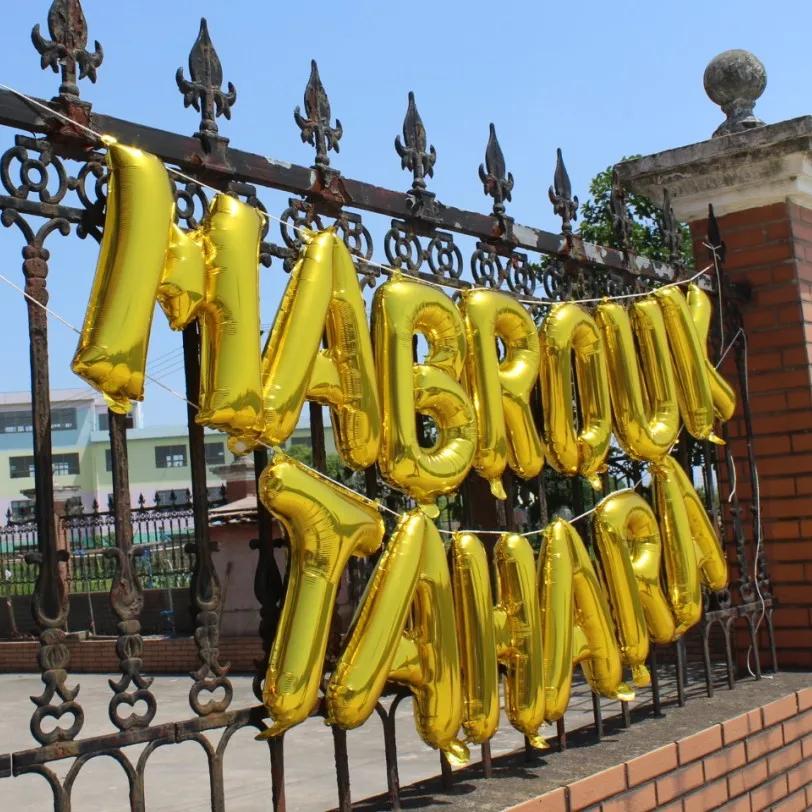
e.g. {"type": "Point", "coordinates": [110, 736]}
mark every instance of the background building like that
{"type": "Point", "coordinates": [158, 455]}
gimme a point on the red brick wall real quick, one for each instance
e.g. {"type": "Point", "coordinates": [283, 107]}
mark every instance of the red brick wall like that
{"type": "Point", "coordinates": [770, 248]}
{"type": "Point", "coordinates": [162, 655]}
{"type": "Point", "coordinates": [761, 759]}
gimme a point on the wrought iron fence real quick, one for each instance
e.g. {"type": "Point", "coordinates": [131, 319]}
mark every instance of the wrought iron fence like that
{"type": "Point", "coordinates": [162, 535]}
{"type": "Point", "coordinates": [53, 182]}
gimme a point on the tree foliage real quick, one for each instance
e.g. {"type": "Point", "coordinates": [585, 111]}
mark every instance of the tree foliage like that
{"type": "Point", "coordinates": [646, 230]}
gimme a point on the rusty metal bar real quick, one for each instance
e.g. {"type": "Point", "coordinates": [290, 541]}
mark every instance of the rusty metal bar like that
{"type": "Point", "coordinates": [597, 715]}
{"type": "Point", "coordinates": [487, 764]}
{"type": "Point", "coordinates": [205, 586]}
{"type": "Point", "coordinates": [188, 154]}
{"type": "Point", "coordinates": [561, 732]}
{"type": "Point", "coordinates": [679, 669]}
{"type": "Point", "coordinates": [657, 711]}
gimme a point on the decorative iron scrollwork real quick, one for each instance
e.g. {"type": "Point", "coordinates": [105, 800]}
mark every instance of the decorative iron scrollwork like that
{"type": "Point", "coordinates": [191, 202]}
{"type": "Point", "coordinates": [443, 256]}
{"type": "Point", "coordinates": [204, 91]}
{"type": "Point", "coordinates": [127, 600]}
{"type": "Point", "coordinates": [212, 675]}
{"type": "Point", "coordinates": [486, 266]}
{"type": "Point", "coordinates": [358, 240]}
{"type": "Point", "coordinates": [560, 193]}
{"type": "Point", "coordinates": [299, 214]}
{"type": "Point", "coordinates": [402, 248]}
{"type": "Point", "coordinates": [671, 231]}
{"type": "Point", "coordinates": [405, 252]}
{"type": "Point", "coordinates": [67, 48]}
{"type": "Point", "coordinates": [520, 274]}
{"type": "Point", "coordinates": [53, 660]}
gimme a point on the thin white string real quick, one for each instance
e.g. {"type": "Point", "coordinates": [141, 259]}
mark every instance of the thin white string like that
{"type": "Point", "coordinates": [385, 269]}
{"type": "Point", "coordinates": [620, 295]}
{"type": "Point", "coordinates": [713, 249]}
{"type": "Point", "coordinates": [729, 347]}
{"type": "Point", "coordinates": [593, 509]}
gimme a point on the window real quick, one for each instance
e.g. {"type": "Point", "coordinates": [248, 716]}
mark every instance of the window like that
{"type": "Point", "coordinates": [22, 510]}
{"type": "Point", "coordinates": [215, 453]}
{"type": "Point", "coordinates": [65, 464]}
{"type": "Point", "coordinates": [73, 506]}
{"type": "Point", "coordinates": [63, 419]}
{"type": "Point", "coordinates": [104, 424]}
{"type": "Point", "coordinates": [14, 422]}
{"type": "Point", "coordinates": [20, 467]}
{"type": "Point", "coordinates": [302, 441]}
{"type": "Point", "coordinates": [108, 459]}
{"type": "Point", "coordinates": [216, 493]}
{"type": "Point", "coordinates": [170, 456]}
{"type": "Point", "coordinates": [175, 496]}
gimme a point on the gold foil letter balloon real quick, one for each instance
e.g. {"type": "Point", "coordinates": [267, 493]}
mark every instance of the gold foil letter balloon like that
{"type": "Point", "coordinates": [427, 660]}
{"type": "Point", "coordinates": [402, 308]}
{"type": "Point", "coordinates": [112, 350]}
{"type": "Point", "coordinates": [519, 636]}
{"type": "Point", "coordinates": [690, 544]}
{"type": "Point", "coordinates": [722, 394]}
{"type": "Point", "coordinates": [629, 543]}
{"type": "Point", "coordinates": [366, 662]}
{"type": "Point", "coordinates": [642, 388]}
{"type": "Point", "coordinates": [228, 314]}
{"type": "Point", "coordinates": [576, 624]}
{"type": "Point", "coordinates": [411, 578]}
{"type": "Point", "coordinates": [474, 609]}
{"type": "Point", "coordinates": [326, 525]}
{"type": "Point", "coordinates": [210, 274]}
{"type": "Point", "coordinates": [501, 389]}
{"type": "Point", "coordinates": [323, 299]}
{"type": "Point", "coordinates": [693, 386]}
{"type": "Point", "coordinates": [574, 445]}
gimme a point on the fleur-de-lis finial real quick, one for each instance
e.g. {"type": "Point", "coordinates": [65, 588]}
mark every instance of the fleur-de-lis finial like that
{"type": "Point", "coordinates": [717, 247]}
{"type": "Point", "coordinates": [412, 149]}
{"type": "Point", "coordinates": [564, 204]}
{"type": "Point", "coordinates": [495, 182]}
{"type": "Point", "coordinates": [315, 127]}
{"type": "Point", "coordinates": [67, 47]}
{"type": "Point", "coordinates": [204, 91]}
{"type": "Point", "coordinates": [671, 231]}
{"type": "Point", "coordinates": [621, 223]}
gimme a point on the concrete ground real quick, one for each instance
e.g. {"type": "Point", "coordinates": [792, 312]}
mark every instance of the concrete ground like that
{"type": "Point", "coordinates": [177, 776]}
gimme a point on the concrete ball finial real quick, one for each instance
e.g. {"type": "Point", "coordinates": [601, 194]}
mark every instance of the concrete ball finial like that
{"type": "Point", "coordinates": [734, 80]}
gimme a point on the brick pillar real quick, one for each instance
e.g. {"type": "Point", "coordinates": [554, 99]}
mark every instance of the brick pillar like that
{"type": "Point", "coordinates": [760, 183]}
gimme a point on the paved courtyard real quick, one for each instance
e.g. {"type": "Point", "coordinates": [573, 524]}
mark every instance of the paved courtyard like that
{"type": "Point", "coordinates": [177, 776]}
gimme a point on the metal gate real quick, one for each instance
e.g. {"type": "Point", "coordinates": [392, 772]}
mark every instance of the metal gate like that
{"type": "Point", "coordinates": [54, 184]}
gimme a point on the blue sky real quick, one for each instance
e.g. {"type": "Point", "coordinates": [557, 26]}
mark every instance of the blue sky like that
{"type": "Point", "coordinates": [600, 79]}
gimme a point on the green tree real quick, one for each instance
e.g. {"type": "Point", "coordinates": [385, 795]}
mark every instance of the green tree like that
{"type": "Point", "coordinates": [646, 237]}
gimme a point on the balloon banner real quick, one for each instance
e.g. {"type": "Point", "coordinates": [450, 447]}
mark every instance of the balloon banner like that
{"type": "Point", "coordinates": [437, 622]}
